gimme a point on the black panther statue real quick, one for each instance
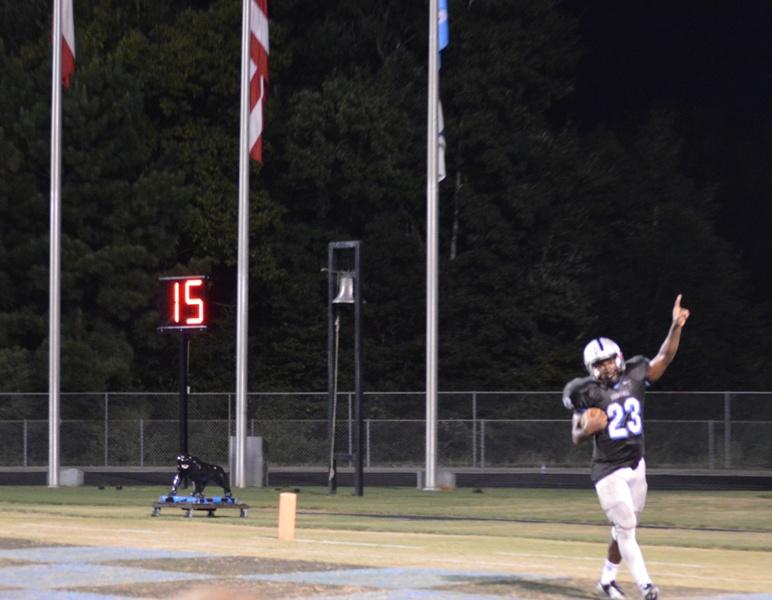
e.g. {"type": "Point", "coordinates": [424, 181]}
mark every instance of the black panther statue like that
{"type": "Point", "coordinates": [201, 474]}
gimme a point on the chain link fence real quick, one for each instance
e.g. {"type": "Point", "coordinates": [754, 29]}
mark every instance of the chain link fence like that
{"type": "Point", "coordinates": [696, 430]}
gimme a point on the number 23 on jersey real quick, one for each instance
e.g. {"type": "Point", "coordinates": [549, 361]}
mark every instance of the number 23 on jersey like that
{"type": "Point", "coordinates": [624, 419]}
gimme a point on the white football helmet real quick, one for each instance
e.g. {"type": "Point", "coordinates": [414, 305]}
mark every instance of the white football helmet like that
{"type": "Point", "coordinates": [600, 349]}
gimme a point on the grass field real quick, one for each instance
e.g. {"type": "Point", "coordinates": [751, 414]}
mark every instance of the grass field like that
{"type": "Point", "coordinates": [539, 543]}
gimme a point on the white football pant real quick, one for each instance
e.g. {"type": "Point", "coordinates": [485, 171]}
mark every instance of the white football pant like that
{"type": "Point", "coordinates": [622, 496]}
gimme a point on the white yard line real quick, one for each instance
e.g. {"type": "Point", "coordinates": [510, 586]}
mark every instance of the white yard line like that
{"type": "Point", "coordinates": [671, 574]}
{"type": "Point", "coordinates": [599, 560]}
{"type": "Point", "coordinates": [80, 528]}
{"type": "Point", "coordinates": [371, 544]}
{"type": "Point", "coordinates": [715, 578]}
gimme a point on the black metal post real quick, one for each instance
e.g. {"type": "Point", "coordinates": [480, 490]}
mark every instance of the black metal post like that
{"type": "Point", "coordinates": [358, 351]}
{"type": "Point", "coordinates": [183, 402]}
{"type": "Point", "coordinates": [332, 476]}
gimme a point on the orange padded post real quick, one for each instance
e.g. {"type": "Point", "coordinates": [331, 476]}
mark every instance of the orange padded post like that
{"type": "Point", "coordinates": [288, 503]}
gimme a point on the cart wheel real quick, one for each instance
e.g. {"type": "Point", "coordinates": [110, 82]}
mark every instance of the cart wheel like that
{"type": "Point", "coordinates": [156, 512]}
{"type": "Point", "coordinates": [210, 513]}
{"type": "Point", "coordinates": [243, 513]}
{"type": "Point", "coordinates": [189, 513]}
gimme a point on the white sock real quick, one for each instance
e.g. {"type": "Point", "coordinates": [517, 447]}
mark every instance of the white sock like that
{"type": "Point", "coordinates": [609, 572]}
{"type": "Point", "coordinates": [631, 554]}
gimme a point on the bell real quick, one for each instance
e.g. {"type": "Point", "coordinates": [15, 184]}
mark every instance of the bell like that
{"type": "Point", "coordinates": [345, 288]}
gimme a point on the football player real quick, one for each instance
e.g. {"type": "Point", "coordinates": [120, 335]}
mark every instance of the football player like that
{"type": "Point", "coordinates": [618, 388]}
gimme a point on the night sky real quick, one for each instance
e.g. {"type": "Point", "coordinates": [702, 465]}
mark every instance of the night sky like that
{"type": "Point", "coordinates": [710, 64]}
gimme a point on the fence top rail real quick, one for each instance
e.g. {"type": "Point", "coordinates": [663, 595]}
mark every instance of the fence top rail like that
{"type": "Point", "coordinates": [371, 420]}
{"type": "Point", "coordinates": [388, 393]}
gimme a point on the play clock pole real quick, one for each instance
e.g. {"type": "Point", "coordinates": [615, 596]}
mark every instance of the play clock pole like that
{"type": "Point", "coordinates": [183, 404]}
{"type": "Point", "coordinates": [184, 311]}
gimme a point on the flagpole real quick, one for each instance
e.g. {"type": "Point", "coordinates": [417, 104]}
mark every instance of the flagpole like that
{"type": "Point", "coordinates": [54, 252]}
{"type": "Point", "coordinates": [432, 255]}
{"type": "Point", "coordinates": [242, 287]}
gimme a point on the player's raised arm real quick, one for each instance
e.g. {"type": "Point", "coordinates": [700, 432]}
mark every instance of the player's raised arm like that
{"type": "Point", "coordinates": [670, 346]}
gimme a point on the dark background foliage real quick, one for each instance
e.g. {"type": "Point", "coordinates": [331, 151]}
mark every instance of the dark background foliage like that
{"type": "Point", "coordinates": [602, 157]}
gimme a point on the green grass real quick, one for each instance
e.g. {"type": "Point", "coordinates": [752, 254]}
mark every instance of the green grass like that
{"type": "Point", "coordinates": [698, 510]}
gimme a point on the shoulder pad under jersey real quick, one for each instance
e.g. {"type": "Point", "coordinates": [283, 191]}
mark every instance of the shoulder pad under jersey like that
{"type": "Point", "coordinates": [577, 391]}
{"type": "Point", "coordinates": [637, 368]}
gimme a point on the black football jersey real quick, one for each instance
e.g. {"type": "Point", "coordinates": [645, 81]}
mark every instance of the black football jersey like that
{"type": "Point", "coordinates": [621, 443]}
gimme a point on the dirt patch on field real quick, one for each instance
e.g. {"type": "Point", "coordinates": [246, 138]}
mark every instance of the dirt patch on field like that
{"type": "Point", "coordinates": [222, 588]}
{"type": "Point", "coordinates": [230, 566]}
{"type": "Point", "coordinates": [10, 562]}
{"type": "Point", "coordinates": [555, 589]}
{"type": "Point", "coordinates": [18, 543]}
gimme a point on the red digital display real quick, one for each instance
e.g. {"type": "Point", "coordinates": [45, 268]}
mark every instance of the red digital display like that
{"type": "Point", "coordinates": [184, 304]}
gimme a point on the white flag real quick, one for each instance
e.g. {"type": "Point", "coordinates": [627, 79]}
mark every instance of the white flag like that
{"type": "Point", "coordinates": [443, 36]}
{"type": "Point", "coordinates": [440, 143]}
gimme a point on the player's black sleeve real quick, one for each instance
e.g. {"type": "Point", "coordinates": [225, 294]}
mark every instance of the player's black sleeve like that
{"type": "Point", "coordinates": [577, 395]}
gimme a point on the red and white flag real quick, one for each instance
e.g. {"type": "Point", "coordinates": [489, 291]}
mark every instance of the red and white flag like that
{"type": "Point", "coordinates": [68, 42]}
{"type": "Point", "coordinates": [258, 75]}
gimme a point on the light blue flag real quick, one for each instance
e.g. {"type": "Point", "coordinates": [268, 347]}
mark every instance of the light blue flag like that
{"type": "Point", "coordinates": [442, 23]}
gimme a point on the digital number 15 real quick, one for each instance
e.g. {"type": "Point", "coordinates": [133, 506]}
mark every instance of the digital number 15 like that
{"type": "Point", "coordinates": [187, 306]}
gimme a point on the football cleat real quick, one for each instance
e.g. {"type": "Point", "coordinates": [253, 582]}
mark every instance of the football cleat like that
{"type": "Point", "coordinates": [609, 590]}
{"type": "Point", "coordinates": [649, 592]}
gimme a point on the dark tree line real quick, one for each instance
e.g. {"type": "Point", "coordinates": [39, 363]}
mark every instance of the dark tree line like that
{"type": "Point", "coordinates": [550, 232]}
